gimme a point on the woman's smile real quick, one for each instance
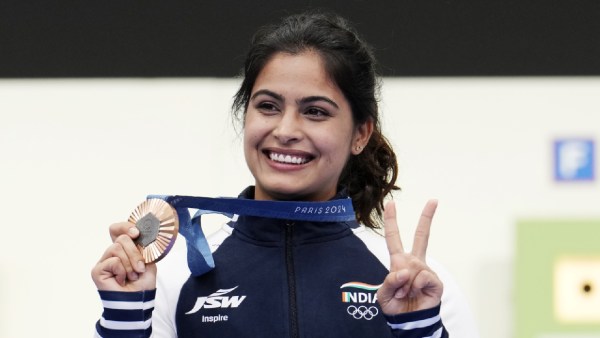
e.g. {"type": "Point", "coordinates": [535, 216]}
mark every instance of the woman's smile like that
{"type": "Point", "coordinates": [294, 158]}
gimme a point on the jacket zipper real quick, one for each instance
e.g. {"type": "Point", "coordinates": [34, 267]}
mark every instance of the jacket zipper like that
{"type": "Point", "coordinates": [291, 278]}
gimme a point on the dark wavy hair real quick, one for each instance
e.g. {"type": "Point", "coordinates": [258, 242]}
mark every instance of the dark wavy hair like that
{"type": "Point", "coordinates": [350, 63]}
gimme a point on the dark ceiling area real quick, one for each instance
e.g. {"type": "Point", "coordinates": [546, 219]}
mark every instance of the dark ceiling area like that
{"type": "Point", "coordinates": [416, 38]}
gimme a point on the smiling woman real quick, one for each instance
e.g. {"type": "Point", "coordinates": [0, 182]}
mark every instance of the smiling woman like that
{"type": "Point", "coordinates": [312, 138]}
{"type": "Point", "coordinates": [299, 130]}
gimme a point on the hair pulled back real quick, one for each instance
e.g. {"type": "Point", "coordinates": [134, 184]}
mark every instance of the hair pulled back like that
{"type": "Point", "coordinates": [349, 61]}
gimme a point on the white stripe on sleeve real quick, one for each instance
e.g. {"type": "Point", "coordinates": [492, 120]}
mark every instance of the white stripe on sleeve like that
{"type": "Point", "coordinates": [115, 325]}
{"type": "Point", "coordinates": [416, 324]}
{"type": "Point", "coordinates": [118, 305]}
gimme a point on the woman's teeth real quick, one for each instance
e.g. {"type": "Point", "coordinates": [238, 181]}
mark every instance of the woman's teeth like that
{"type": "Point", "coordinates": [287, 158]}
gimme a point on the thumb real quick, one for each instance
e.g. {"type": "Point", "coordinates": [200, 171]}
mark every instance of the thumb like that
{"type": "Point", "coordinates": [121, 228]}
{"type": "Point", "coordinates": [395, 285]}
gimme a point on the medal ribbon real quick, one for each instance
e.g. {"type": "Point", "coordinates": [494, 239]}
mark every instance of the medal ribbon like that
{"type": "Point", "coordinates": [200, 259]}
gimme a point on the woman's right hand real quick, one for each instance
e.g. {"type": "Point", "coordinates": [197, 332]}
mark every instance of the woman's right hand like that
{"type": "Point", "coordinates": [122, 267]}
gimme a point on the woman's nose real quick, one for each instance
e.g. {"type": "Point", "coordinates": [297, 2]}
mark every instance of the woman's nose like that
{"type": "Point", "coordinates": [288, 128]}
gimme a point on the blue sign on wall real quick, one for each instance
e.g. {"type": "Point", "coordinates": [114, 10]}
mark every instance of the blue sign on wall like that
{"type": "Point", "coordinates": [574, 160]}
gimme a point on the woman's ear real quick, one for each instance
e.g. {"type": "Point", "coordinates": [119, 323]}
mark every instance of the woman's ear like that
{"type": "Point", "coordinates": [361, 137]}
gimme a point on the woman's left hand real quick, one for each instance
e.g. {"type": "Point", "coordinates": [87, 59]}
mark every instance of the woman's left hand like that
{"type": "Point", "coordinates": [411, 285]}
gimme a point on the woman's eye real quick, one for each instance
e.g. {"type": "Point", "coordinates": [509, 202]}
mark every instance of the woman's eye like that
{"type": "Point", "coordinates": [316, 112]}
{"type": "Point", "coordinates": [267, 107]}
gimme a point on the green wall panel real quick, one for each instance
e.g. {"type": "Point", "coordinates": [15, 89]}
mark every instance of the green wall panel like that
{"type": "Point", "coordinates": [541, 288]}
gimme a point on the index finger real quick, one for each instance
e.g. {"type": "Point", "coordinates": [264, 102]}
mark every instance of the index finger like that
{"type": "Point", "coordinates": [390, 226]}
{"type": "Point", "coordinates": [423, 229]}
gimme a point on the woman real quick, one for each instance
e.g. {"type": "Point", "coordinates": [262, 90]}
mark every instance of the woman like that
{"type": "Point", "coordinates": [311, 133]}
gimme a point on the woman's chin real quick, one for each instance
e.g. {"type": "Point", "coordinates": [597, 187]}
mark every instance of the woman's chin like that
{"type": "Point", "coordinates": [291, 193]}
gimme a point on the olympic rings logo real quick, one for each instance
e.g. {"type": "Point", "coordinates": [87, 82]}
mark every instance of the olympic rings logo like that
{"type": "Point", "coordinates": [362, 312]}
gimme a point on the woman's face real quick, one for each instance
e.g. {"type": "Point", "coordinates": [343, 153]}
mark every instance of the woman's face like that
{"type": "Point", "coordinates": [299, 130]}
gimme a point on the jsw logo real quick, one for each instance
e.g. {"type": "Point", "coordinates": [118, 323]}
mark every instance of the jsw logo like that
{"type": "Point", "coordinates": [217, 300]}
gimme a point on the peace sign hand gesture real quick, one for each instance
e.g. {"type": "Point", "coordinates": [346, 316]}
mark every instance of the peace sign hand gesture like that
{"type": "Point", "coordinates": [411, 285]}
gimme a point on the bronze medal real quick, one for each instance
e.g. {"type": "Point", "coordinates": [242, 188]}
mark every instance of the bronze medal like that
{"type": "Point", "coordinates": [158, 224]}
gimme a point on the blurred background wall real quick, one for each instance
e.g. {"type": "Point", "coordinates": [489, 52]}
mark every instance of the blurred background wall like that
{"type": "Point", "coordinates": [102, 105]}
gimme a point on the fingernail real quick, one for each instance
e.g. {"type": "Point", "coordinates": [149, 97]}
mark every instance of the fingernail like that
{"type": "Point", "coordinates": [133, 231]}
{"type": "Point", "coordinates": [141, 267]}
{"type": "Point", "coordinates": [133, 276]}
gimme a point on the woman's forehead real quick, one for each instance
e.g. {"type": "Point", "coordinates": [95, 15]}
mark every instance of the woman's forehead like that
{"type": "Point", "coordinates": [302, 72]}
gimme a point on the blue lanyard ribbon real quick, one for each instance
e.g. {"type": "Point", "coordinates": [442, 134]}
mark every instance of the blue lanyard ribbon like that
{"type": "Point", "coordinates": [200, 259]}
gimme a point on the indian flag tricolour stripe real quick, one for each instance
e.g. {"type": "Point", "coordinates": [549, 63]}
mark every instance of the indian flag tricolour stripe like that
{"type": "Point", "coordinates": [360, 285]}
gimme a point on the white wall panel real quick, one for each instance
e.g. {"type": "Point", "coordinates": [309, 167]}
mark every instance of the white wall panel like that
{"type": "Point", "coordinates": [77, 155]}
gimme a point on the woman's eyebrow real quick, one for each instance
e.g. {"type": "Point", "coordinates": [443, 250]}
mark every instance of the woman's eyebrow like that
{"type": "Point", "coordinates": [311, 99]}
{"type": "Point", "coordinates": [304, 100]}
{"type": "Point", "coordinates": [268, 93]}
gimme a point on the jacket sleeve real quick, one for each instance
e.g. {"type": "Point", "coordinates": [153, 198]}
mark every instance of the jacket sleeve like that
{"type": "Point", "coordinates": [419, 324]}
{"type": "Point", "coordinates": [126, 314]}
